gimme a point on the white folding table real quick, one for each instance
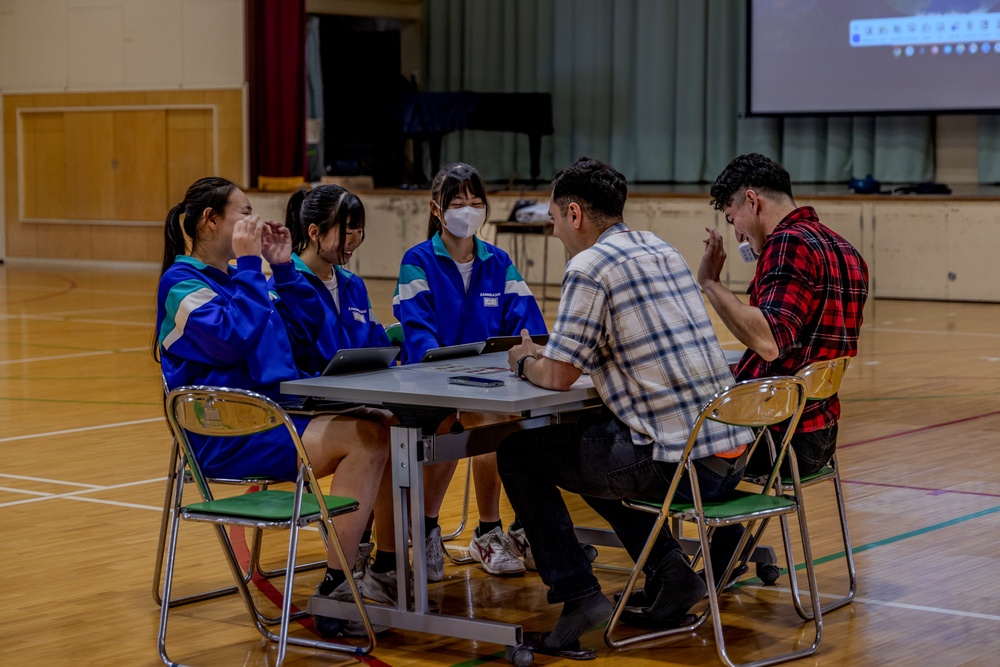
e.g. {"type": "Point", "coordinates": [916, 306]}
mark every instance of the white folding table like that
{"type": "Point", "coordinates": [420, 396]}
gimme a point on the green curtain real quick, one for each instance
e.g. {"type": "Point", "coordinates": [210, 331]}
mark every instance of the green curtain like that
{"type": "Point", "coordinates": [654, 87]}
{"type": "Point", "coordinates": [989, 148]}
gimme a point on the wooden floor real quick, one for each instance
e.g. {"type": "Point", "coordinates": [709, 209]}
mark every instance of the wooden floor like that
{"type": "Point", "coordinates": [84, 452]}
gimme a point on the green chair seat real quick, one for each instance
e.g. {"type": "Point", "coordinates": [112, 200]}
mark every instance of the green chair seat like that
{"type": "Point", "coordinates": [395, 334]}
{"type": "Point", "coordinates": [822, 473]}
{"type": "Point", "coordinates": [271, 505]}
{"type": "Point", "coordinates": [740, 503]}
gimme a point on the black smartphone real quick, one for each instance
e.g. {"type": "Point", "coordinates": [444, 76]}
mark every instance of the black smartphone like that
{"type": "Point", "coordinates": [474, 381]}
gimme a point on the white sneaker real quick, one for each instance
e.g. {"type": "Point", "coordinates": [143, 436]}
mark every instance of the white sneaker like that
{"type": "Point", "coordinates": [496, 553]}
{"type": "Point", "coordinates": [363, 559]}
{"type": "Point", "coordinates": [521, 547]}
{"type": "Point", "coordinates": [331, 627]}
{"type": "Point", "coordinates": [379, 586]}
{"type": "Point", "coordinates": [434, 555]}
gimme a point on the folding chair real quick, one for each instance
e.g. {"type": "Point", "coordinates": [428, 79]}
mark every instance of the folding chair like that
{"type": "Point", "coordinates": [755, 403]}
{"type": "Point", "coordinates": [221, 412]}
{"type": "Point", "coordinates": [822, 380]}
{"type": "Point", "coordinates": [173, 475]}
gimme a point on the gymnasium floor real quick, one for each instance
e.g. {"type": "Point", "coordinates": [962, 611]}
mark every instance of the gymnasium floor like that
{"type": "Point", "coordinates": [84, 453]}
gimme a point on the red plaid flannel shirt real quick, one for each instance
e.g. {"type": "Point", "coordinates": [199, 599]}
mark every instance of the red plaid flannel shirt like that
{"type": "Point", "coordinates": [811, 285]}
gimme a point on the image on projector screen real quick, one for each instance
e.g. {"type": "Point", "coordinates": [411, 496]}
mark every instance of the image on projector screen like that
{"type": "Point", "coordinates": [873, 56]}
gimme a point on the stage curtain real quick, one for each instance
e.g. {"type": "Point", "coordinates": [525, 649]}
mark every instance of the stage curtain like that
{"type": "Point", "coordinates": [655, 87]}
{"type": "Point", "coordinates": [276, 74]}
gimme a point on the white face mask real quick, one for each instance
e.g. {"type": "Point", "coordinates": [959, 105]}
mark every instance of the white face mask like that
{"type": "Point", "coordinates": [464, 222]}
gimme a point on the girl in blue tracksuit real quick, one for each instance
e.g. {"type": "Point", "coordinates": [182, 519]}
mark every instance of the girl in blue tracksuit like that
{"type": "Point", "coordinates": [327, 225]}
{"type": "Point", "coordinates": [217, 325]}
{"type": "Point", "coordinates": [455, 288]}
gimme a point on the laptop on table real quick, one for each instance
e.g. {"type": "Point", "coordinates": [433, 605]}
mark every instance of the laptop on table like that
{"type": "Point", "coordinates": [504, 343]}
{"type": "Point", "coordinates": [453, 351]}
{"type": "Point", "coordinates": [348, 360]}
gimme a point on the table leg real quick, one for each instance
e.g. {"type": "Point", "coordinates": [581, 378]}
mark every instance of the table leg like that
{"type": "Point", "coordinates": [408, 448]}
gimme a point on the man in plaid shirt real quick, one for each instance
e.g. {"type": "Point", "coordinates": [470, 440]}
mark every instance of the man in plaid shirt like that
{"type": "Point", "coordinates": [632, 316]}
{"type": "Point", "coordinates": [806, 297]}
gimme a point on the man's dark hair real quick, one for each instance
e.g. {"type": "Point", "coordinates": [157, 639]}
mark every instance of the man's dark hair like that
{"type": "Point", "coordinates": [752, 170]}
{"type": "Point", "coordinates": [598, 188]}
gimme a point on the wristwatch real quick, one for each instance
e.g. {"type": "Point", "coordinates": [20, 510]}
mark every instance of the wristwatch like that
{"type": "Point", "coordinates": [520, 365]}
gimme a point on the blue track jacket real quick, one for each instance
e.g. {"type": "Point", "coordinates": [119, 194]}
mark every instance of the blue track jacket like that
{"type": "Point", "coordinates": [431, 302]}
{"type": "Point", "coordinates": [221, 329]}
{"type": "Point", "coordinates": [318, 333]}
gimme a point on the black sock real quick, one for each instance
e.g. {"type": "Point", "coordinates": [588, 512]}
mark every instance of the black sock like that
{"type": "Point", "coordinates": [430, 523]}
{"type": "Point", "coordinates": [366, 537]}
{"type": "Point", "coordinates": [332, 579]}
{"type": "Point", "coordinates": [487, 526]}
{"type": "Point", "coordinates": [579, 616]}
{"type": "Point", "coordinates": [516, 525]}
{"type": "Point", "coordinates": [384, 561]}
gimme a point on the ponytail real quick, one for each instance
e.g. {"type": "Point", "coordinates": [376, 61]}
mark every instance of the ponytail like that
{"type": "Point", "coordinates": [293, 212]}
{"type": "Point", "coordinates": [173, 238]}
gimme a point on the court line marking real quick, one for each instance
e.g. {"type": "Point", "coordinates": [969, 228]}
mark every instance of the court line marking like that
{"type": "Point", "coordinates": [74, 355]}
{"type": "Point", "coordinates": [932, 491]}
{"type": "Point", "coordinates": [81, 320]}
{"type": "Point", "coordinates": [88, 311]}
{"type": "Point", "coordinates": [82, 311]}
{"type": "Point", "coordinates": [81, 290]}
{"type": "Point", "coordinates": [268, 589]}
{"type": "Point", "coordinates": [79, 495]}
{"type": "Point", "coordinates": [883, 603]}
{"type": "Point", "coordinates": [25, 491]}
{"type": "Point", "coordinates": [49, 481]}
{"type": "Point", "coordinates": [82, 429]}
{"type": "Point", "coordinates": [264, 585]}
{"type": "Point", "coordinates": [920, 429]}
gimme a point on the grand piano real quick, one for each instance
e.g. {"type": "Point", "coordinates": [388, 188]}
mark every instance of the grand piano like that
{"type": "Point", "coordinates": [430, 116]}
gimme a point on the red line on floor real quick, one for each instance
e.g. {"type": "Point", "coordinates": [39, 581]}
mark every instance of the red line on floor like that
{"type": "Point", "coordinates": [929, 427]}
{"type": "Point", "coordinates": [238, 538]}
{"type": "Point", "coordinates": [936, 492]}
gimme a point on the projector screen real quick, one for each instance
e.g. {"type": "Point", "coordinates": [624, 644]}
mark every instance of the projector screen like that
{"type": "Point", "coordinates": [873, 56]}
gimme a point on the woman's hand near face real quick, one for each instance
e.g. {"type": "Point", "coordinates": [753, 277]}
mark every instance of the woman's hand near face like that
{"type": "Point", "coordinates": [247, 234]}
{"type": "Point", "coordinates": [276, 243]}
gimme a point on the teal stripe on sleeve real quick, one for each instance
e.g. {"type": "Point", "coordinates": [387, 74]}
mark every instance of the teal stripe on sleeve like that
{"type": "Point", "coordinates": [513, 274]}
{"type": "Point", "coordinates": [182, 299]}
{"type": "Point", "coordinates": [410, 272]}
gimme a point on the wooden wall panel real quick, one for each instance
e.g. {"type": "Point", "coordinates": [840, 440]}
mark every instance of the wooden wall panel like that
{"type": "Point", "coordinates": [140, 167]}
{"type": "Point", "coordinates": [911, 258]}
{"type": "Point", "coordinates": [90, 157]}
{"type": "Point", "coordinates": [126, 243]}
{"type": "Point", "coordinates": [61, 241]}
{"type": "Point", "coordinates": [231, 142]}
{"type": "Point", "coordinates": [44, 163]}
{"type": "Point", "coordinates": [113, 164]}
{"type": "Point", "coordinates": [189, 151]}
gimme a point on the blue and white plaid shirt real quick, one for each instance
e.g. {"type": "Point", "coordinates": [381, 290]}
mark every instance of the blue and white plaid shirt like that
{"type": "Point", "coordinates": [632, 316]}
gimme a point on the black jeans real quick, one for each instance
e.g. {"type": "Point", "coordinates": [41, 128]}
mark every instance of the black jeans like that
{"type": "Point", "coordinates": [596, 459]}
{"type": "Point", "coordinates": [812, 451]}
